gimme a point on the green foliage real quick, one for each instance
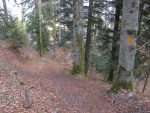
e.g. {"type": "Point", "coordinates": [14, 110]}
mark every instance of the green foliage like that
{"type": "Point", "coordinates": [28, 58]}
{"type": "Point", "coordinates": [76, 70]}
{"type": "Point", "coordinates": [115, 87]}
{"type": "Point", "coordinates": [144, 29]}
{"type": "Point", "coordinates": [79, 69]}
{"type": "Point", "coordinates": [65, 17]}
{"type": "Point", "coordinates": [100, 63]}
{"type": "Point", "coordinates": [33, 26]}
{"type": "Point", "coordinates": [130, 83]}
{"type": "Point", "coordinates": [13, 33]}
{"type": "Point", "coordinates": [124, 22]}
{"type": "Point", "coordinates": [144, 22]}
{"type": "Point", "coordinates": [100, 53]}
{"type": "Point", "coordinates": [132, 32]}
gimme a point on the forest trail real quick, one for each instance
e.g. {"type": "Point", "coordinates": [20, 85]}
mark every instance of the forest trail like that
{"type": "Point", "coordinates": [52, 89]}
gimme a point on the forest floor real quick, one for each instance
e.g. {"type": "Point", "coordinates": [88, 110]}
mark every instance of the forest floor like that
{"type": "Point", "coordinates": [48, 86]}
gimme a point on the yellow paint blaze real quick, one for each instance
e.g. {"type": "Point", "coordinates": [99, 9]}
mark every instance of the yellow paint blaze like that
{"type": "Point", "coordinates": [129, 39]}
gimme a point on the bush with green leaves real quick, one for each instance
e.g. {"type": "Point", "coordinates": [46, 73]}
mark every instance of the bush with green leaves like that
{"type": "Point", "coordinates": [13, 33]}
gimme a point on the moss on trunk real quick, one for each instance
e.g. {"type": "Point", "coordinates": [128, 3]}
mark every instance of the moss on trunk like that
{"type": "Point", "coordinates": [78, 68]}
{"type": "Point", "coordinates": [78, 45]}
{"type": "Point", "coordinates": [125, 79]}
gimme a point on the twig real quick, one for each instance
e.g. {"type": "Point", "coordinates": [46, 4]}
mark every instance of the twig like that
{"type": "Point", "coordinates": [145, 82]}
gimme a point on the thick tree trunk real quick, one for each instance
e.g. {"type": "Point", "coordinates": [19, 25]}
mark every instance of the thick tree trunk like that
{"type": "Point", "coordinates": [88, 37]}
{"type": "Point", "coordinates": [113, 60]}
{"type": "Point", "coordinates": [40, 29]}
{"type": "Point", "coordinates": [128, 38]}
{"type": "Point", "coordinates": [78, 45]}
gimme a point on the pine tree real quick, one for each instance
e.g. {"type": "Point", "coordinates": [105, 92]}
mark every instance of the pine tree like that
{"type": "Point", "coordinates": [88, 36]}
{"type": "Point", "coordinates": [114, 51]}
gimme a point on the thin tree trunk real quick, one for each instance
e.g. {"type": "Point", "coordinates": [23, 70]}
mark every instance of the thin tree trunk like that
{"type": "Point", "coordinates": [128, 39]}
{"type": "Point", "coordinates": [5, 11]}
{"type": "Point", "coordinates": [145, 82]}
{"type": "Point", "coordinates": [54, 34]}
{"type": "Point", "coordinates": [54, 26]}
{"type": "Point", "coordinates": [5, 18]}
{"type": "Point", "coordinates": [60, 30]}
{"type": "Point", "coordinates": [88, 37]}
{"type": "Point", "coordinates": [40, 29]}
{"type": "Point", "coordinates": [78, 44]}
{"type": "Point", "coordinates": [22, 16]}
{"type": "Point", "coordinates": [140, 17]}
{"type": "Point", "coordinates": [113, 60]}
{"type": "Point", "coordinates": [59, 33]}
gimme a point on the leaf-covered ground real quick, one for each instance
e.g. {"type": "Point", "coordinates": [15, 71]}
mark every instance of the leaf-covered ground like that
{"type": "Point", "coordinates": [51, 88]}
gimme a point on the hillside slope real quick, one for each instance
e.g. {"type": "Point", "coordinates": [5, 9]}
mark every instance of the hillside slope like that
{"type": "Point", "coordinates": [50, 88]}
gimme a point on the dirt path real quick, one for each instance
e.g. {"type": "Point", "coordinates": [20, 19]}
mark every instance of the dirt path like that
{"type": "Point", "coordinates": [53, 90]}
{"type": "Point", "coordinates": [77, 95]}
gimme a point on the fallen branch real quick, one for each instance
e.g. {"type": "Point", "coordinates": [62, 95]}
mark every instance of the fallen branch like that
{"type": "Point", "coordinates": [25, 96]}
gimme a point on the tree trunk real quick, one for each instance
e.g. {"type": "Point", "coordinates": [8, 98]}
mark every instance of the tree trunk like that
{"type": "Point", "coordinates": [22, 16]}
{"type": "Point", "coordinates": [113, 60]}
{"type": "Point", "coordinates": [54, 34]}
{"type": "Point", "coordinates": [5, 11]}
{"type": "Point", "coordinates": [128, 38]}
{"type": "Point", "coordinates": [54, 26]}
{"type": "Point", "coordinates": [88, 37]}
{"type": "Point", "coordinates": [78, 45]}
{"type": "Point", "coordinates": [40, 29]}
{"type": "Point", "coordinates": [5, 18]}
{"type": "Point", "coordinates": [140, 17]}
{"type": "Point", "coordinates": [60, 33]}
{"type": "Point", "coordinates": [60, 30]}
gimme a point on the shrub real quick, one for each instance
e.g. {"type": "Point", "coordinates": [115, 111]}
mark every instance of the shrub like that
{"type": "Point", "coordinates": [15, 35]}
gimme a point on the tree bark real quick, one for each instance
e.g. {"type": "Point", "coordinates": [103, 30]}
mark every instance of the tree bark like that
{"type": "Point", "coordinates": [60, 33]}
{"type": "Point", "coordinates": [88, 37]}
{"type": "Point", "coordinates": [114, 56]}
{"type": "Point", "coordinates": [128, 37]}
{"type": "Point", "coordinates": [140, 16]}
{"type": "Point", "coordinates": [40, 29]}
{"type": "Point", "coordinates": [78, 45]}
{"type": "Point", "coordinates": [5, 11]}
